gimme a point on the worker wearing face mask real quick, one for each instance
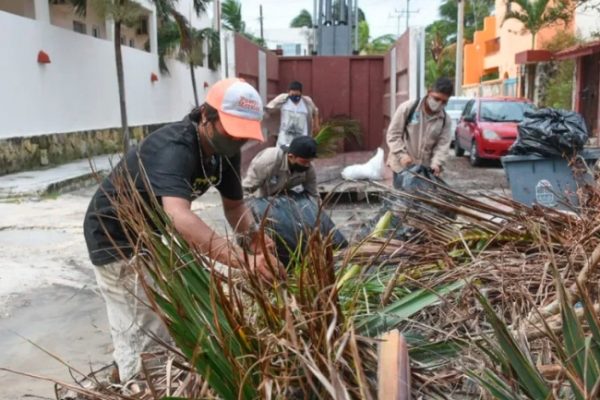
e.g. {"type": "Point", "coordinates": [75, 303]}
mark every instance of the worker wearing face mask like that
{"type": "Point", "coordinates": [299, 115]}
{"type": "Point", "coordinates": [275, 170]}
{"type": "Point", "coordinates": [169, 169]}
{"type": "Point", "coordinates": [419, 132]}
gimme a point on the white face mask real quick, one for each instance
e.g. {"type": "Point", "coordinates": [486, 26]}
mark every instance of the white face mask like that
{"type": "Point", "coordinates": [433, 104]}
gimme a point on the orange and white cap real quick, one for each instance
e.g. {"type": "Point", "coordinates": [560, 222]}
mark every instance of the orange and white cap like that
{"type": "Point", "coordinates": [240, 108]}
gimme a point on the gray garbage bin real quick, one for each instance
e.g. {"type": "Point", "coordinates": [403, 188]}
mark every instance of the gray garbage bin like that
{"type": "Point", "coordinates": [547, 181]}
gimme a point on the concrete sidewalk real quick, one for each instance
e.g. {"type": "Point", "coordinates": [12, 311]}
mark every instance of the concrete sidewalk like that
{"type": "Point", "coordinates": [55, 179]}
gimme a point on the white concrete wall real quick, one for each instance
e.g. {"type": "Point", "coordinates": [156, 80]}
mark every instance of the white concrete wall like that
{"type": "Point", "coordinates": [78, 89]}
{"type": "Point", "coordinates": [587, 19]}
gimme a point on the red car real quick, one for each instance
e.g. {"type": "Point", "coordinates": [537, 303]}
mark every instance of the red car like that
{"type": "Point", "coordinates": [488, 127]}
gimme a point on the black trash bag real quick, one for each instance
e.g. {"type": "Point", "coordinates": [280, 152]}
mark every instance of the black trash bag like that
{"type": "Point", "coordinates": [290, 220]}
{"type": "Point", "coordinates": [549, 132]}
{"type": "Point", "coordinates": [409, 180]}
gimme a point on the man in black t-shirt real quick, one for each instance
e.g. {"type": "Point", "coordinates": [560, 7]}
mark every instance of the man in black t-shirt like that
{"type": "Point", "coordinates": [180, 162]}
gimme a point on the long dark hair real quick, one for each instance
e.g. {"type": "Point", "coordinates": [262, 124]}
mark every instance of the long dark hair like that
{"type": "Point", "coordinates": [211, 114]}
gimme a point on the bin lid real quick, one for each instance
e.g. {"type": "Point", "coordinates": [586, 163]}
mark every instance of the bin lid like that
{"type": "Point", "coordinates": [588, 153]}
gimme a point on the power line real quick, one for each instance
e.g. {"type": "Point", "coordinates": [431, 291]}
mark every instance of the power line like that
{"type": "Point", "coordinates": [405, 12]}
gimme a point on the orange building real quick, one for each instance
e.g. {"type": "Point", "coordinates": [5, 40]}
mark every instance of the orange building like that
{"type": "Point", "coordinates": [491, 56]}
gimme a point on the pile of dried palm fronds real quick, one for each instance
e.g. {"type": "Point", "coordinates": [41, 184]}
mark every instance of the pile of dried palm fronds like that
{"type": "Point", "coordinates": [474, 260]}
{"type": "Point", "coordinates": [513, 257]}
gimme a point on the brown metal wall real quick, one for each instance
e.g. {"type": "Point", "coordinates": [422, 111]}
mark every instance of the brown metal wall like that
{"type": "Point", "coordinates": [246, 60]}
{"type": "Point", "coordinates": [246, 65]}
{"type": "Point", "coordinates": [341, 86]}
{"type": "Point", "coordinates": [357, 86]}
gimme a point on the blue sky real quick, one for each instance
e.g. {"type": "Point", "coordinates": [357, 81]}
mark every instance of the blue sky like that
{"type": "Point", "coordinates": [379, 13]}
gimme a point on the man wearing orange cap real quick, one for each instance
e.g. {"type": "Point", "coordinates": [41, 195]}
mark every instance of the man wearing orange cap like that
{"type": "Point", "coordinates": [180, 161]}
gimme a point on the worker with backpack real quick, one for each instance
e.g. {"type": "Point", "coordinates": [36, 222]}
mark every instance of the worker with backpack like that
{"type": "Point", "coordinates": [419, 132]}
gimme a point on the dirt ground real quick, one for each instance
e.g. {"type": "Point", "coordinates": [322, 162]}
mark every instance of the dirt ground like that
{"type": "Point", "coordinates": [47, 288]}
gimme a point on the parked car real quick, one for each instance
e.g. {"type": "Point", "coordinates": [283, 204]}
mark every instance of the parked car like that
{"type": "Point", "coordinates": [454, 109]}
{"type": "Point", "coordinates": [488, 127]}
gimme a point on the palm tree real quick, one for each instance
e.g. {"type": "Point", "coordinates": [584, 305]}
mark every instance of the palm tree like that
{"type": "Point", "coordinates": [537, 14]}
{"type": "Point", "coordinates": [381, 44]}
{"type": "Point", "coordinates": [304, 19]}
{"type": "Point", "coordinates": [231, 15]}
{"type": "Point", "coordinates": [126, 12]}
{"type": "Point", "coordinates": [188, 39]}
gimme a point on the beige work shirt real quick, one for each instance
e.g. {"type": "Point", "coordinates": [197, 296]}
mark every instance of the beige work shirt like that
{"type": "Point", "coordinates": [269, 174]}
{"type": "Point", "coordinates": [426, 143]}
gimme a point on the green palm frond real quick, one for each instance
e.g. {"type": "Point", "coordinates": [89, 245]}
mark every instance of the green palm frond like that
{"type": "Point", "coordinates": [211, 36]}
{"type": "Point", "coordinates": [334, 131]}
{"type": "Point", "coordinates": [538, 14]}
{"type": "Point", "coordinates": [304, 19]}
{"type": "Point", "coordinates": [200, 6]}
{"type": "Point", "coordinates": [168, 42]}
{"type": "Point", "coordinates": [231, 14]}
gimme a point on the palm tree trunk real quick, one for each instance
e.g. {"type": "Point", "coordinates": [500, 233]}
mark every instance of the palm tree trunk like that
{"type": "Point", "coordinates": [194, 81]}
{"type": "Point", "coordinates": [121, 81]}
{"type": "Point", "coordinates": [533, 40]}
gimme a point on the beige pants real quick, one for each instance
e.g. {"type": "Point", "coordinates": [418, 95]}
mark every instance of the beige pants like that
{"type": "Point", "coordinates": [129, 318]}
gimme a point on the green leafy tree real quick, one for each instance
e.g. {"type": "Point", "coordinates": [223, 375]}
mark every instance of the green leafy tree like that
{"type": "Point", "coordinates": [475, 12]}
{"type": "Point", "coordinates": [538, 14]}
{"type": "Point", "coordinates": [381, 44]}
{"type": "Point", "coordinates": [231, 16]}
{"type": "Point", "coordinates": [363, 35]}
{"type": "Point", "coordinates": [304, 19]}
{"type": "Point", "coordinates": [559, 87]}
{"type": "Point", "coordinates": [440, 36]}
{"type": "Point", "coordinates": [177, 34]}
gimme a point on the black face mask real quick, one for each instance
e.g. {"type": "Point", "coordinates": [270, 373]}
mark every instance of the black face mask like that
{"type": "Point", "coordinates": [224, 145]}
{"type": "Point", "coordinates": [298, 168]}
{"type": "Point", "coordinates": [296, 98]}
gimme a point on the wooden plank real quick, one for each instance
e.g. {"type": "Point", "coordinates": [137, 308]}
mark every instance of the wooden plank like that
{"type": "Point", "coordinates": [393, 370]}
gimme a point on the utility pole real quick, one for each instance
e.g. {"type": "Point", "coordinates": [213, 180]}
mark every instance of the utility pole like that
{"type": "Point", "coordinates": [356, 26]}
{"type": "Point", "coordinates": [262, 38]}
{"type": "Point", "coordinates": [458, 77]}
{"type": "Point", "coordinates": [399, 13]}
{"type": "Point", "coordinates": [407, 12]}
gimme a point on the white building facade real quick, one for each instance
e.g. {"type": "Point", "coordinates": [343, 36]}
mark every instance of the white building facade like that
{"type": "Point", "coordinates": [291, 41]}
{"type": "Point", "coordinates": [58, 71]}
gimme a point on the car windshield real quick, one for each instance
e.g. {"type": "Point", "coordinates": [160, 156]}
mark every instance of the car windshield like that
{"type": "Point", "coordinates": [504, 111]}
{"type": "Point", "coordinates": [456, 104]}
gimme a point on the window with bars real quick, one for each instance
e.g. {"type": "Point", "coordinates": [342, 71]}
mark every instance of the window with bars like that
{"type": "Point", "coordinates": [79, 27]}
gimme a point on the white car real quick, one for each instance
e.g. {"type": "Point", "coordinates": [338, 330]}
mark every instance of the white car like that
{"type": "Point", "coordinates": [454, 108]}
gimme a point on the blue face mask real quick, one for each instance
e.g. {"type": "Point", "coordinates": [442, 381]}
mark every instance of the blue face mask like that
{"type": "Point", "coordinates": [296, 98]}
